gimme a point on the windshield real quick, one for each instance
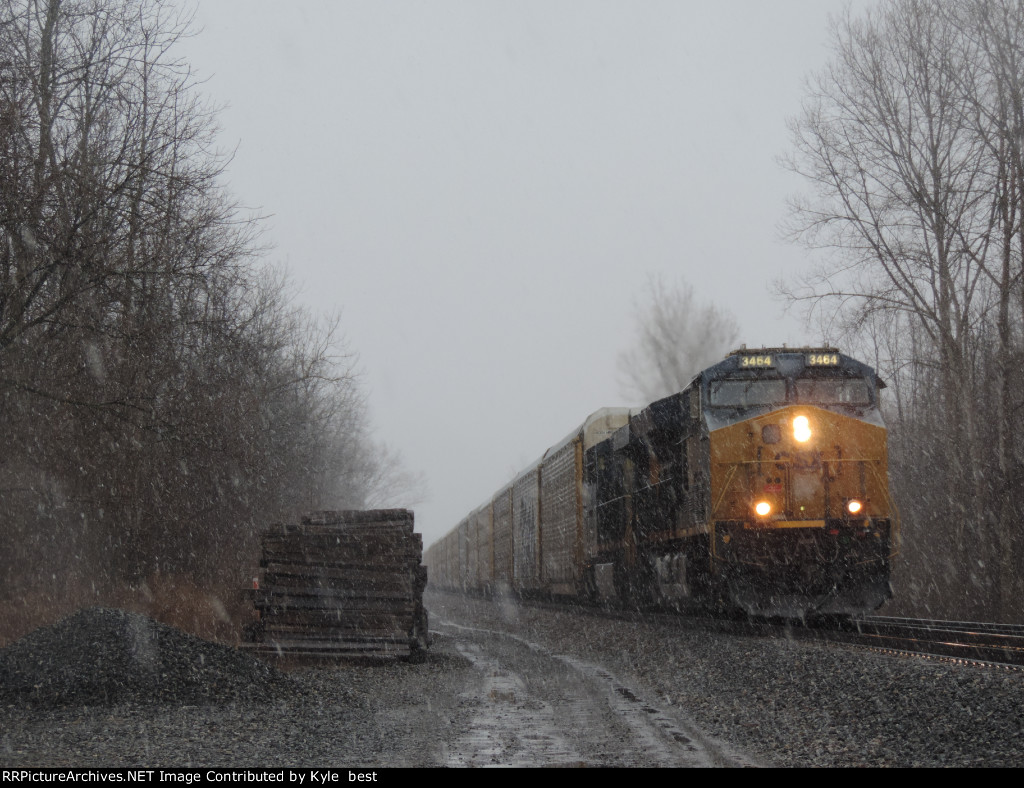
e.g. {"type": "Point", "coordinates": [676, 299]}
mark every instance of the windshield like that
{"type": "Point", "coordinates": [747, 393]}
{"type": "Point", "coordinates": [842, 391]}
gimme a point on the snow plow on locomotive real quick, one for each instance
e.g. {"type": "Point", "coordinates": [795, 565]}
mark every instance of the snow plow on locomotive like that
{"type": "Point", "coordinates": [762, 486]}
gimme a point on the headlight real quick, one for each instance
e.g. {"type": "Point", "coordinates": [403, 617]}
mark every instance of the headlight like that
{"type": "Point", "coordinates": [763, 508]}
{"type": "Point", "coordinates": [801, 429]}
{"type": "Point", "coordinates": [854, 507]}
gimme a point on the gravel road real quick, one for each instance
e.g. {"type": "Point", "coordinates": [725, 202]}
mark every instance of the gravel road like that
{"type": "Point", "coordinates": [502, 684]}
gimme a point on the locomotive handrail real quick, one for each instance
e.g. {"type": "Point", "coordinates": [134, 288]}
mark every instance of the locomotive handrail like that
{"type": "Point", "coordinates": [897, 541]}
{"type": "Point", "coordinates": [873, 460]}
{"type": "Point", "coordinates": [631, 493]}
{"type": "Point", "coordinates": [725, 486]}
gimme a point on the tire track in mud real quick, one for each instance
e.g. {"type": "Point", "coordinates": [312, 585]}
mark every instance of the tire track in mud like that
{"type": "Point", "coordinates": [537, 708]}
{"type": "Point", "coordinates": [510, 727]}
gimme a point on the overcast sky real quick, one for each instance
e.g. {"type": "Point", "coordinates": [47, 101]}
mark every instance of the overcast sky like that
{"type": "Point", "coordinates": [482, 188]}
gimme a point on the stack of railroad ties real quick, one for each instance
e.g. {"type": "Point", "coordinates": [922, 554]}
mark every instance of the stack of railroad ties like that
{"type": "Point", "coordinates": [341, 584]}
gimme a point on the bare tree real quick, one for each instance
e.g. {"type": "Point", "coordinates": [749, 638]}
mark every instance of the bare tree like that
{"type": "Point", "coordinates": [676, 337]}
{"type": "Point", "coordinates": [161, 396]}
{"type": "Point", "coordinates": [995, 34]}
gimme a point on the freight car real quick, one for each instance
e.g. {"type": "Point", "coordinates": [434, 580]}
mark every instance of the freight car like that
{"type": "Point", "coordinates": [762, 487]}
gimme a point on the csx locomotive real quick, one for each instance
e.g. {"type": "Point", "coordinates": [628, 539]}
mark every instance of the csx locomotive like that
{"type": "Point", "coordinates": [761, 487]}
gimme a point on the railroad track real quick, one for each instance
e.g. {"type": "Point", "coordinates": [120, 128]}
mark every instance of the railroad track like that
{"type": "Point", "coordinates": [967, 641]}
{"type": "Point", "coordinates": [961, 641]}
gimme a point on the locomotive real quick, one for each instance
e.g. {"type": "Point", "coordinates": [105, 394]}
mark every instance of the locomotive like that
{"type": "Point", "coordinates": [761, 487]}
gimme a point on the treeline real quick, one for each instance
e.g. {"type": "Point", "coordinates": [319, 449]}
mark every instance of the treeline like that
{"type": "Point", "coordinates": [161, 398]}
{"type": "Point", "coordinates": [913, 141]}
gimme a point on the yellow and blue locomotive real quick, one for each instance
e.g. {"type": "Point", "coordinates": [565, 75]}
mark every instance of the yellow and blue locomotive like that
{"type": "Point", "coordinates": [762, 486]}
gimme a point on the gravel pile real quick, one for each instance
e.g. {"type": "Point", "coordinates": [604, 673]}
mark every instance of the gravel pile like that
{"type": "Point", "coordinates": [383, 714]}
{"type": "Point", "coordinates": [103, 657]}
